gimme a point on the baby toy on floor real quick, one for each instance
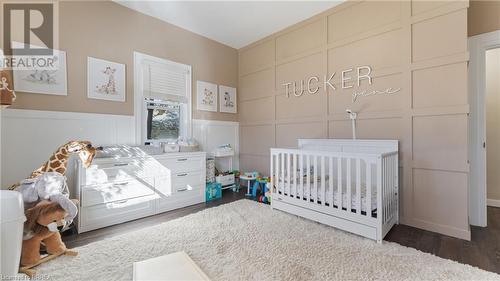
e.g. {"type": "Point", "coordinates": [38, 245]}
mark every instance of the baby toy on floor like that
{"type": "Point", "coordinates": [48, 208]}
{"type": "Point", "coordinates": [261, 183]}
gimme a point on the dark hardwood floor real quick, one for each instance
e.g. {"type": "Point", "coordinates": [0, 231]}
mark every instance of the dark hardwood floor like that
{"type": "Point", "coordinates": [482, 251]}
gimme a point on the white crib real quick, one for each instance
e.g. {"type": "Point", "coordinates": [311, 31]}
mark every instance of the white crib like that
{"type": "Point", "coordinates": [352, 185]}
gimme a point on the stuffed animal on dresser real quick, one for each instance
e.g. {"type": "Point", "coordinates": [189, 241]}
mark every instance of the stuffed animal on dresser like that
{"type": "Point", "coordinates": [43, 222]}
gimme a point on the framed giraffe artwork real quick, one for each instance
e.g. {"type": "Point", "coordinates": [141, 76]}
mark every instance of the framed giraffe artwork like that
{"type": "Point", "coordinates": [206, 96]}
{"type": "Point", "coordinates": [105, 80]}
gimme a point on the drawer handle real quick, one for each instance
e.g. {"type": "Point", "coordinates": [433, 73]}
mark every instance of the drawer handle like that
{"type": "Point", "coordinates": [120, 164]}
{"type": "Point", "coordinates": [121, 183]}
{"type": "Point", "coordinates": [182, 159]}
{"type": "Point", "coordinates": [121, 202]}
{"type": "Point", "coordinates": [181, 190]}
{"type": "Point", "coordinates": [182, 175]}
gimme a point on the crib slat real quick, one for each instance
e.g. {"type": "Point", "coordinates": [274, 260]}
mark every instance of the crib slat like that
{"type": "Point", "coordinates": [301, 176]}
{"type": "Point", "coordinates": [380, 208]}
{"type": "Point", "coordinates": [384, 199]}
{"type": "Point", "coordinates": [323, 191]}
{"type": "Point", "coordinates": [339, 183]}
{"type": "Point", "coordinates": [391, 174]}
{"type": "Point", "coordinates": [387, 190]}
{"type": "Point", "coordinates": [308, 178]}
{"type": "Point", "coordinates": [294, 192]}
{"type": "Point", "coordinates": [277, 171]}
{"type": "Point", "coordinates": [315, 179]}
{"type": "Point", "coordinates": [330, 180]}
{"type": "Point", "coordinates": [394, 184]}
{"type": "Point", "coordinates": [369, 189]}
{"type": "Point", "coordinates": [282, 164]}
{"type": "Point", "coordinates": [271, 173]}
{"type": "Point", "coordinates": [387, 194]}
{"type": "Point", "coordinates": [358, 186]}
{"type": "Point", "coordinates": [288, 177]}
{"type": "Point", "coordinates": [349, 187]}
{"type": "Point", "coordinates": [384, 211]}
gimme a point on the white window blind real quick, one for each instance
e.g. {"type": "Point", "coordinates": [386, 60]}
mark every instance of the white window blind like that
{"type": "Point", "coordinates": [166, 81]}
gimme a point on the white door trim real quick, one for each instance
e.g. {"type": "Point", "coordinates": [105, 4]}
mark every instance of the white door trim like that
{"type": "Point", "coordinates": [478, 45]}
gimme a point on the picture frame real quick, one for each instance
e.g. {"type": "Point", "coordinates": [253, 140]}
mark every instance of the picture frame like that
{"type": "Point", "coordinates": [227, 97]}
{"type": "Point", "coordinates": [206, 96]}
{"type": "Point", "coordinates": [106, 80]}
{"type": "Point", "coordinates": [44, 81]}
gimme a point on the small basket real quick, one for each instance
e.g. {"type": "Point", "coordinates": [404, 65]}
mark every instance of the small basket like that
{"type": "Point", "coordinates": [210, 170]}
{"type": "Point", "coordinates": [189, 148]}
{"type": "Point", "coordinates": [225, 180]}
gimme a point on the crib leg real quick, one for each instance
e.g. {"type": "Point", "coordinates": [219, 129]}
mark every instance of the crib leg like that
{"type": "Point", "coordinates": [379, 241]}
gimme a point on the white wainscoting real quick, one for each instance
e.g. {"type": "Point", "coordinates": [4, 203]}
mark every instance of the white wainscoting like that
{"type": "Point", "coordinates": [29, 137]}
{"type": "Point", "coordinates": [210, 134]}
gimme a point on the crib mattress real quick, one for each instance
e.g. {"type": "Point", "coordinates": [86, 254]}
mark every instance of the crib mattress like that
{"type": "Point", "coordinates": [336, 198]}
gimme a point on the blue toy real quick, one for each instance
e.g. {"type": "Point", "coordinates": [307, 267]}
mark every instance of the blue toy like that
{"type": "Point", "coordinates": [213, 191]}
{"type": "Point", "coordinates": [260, 183]}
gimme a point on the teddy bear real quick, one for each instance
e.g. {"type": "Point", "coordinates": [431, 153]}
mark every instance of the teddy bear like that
{"type": "Point", "coordinates": [43, 222]}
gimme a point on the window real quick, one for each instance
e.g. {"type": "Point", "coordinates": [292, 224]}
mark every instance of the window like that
{"type": "Point", "coordinates": [164, 95]}
{"type": "Point", "coordinates": [163, 120]}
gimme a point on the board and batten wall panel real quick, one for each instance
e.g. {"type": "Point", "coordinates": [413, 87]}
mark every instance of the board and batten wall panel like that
{"type": "Point", "coordinates": [419, 47]}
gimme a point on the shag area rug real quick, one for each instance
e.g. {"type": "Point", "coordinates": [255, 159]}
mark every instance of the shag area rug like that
{"type": "Point", "coordinates": [245, 240]}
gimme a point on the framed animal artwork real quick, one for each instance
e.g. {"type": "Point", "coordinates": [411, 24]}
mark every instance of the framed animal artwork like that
{"type": "Point", "coordinates": [206, 96]}
{"type": "Point", "coordinates": [105, 80]}
{"type": "Point", "coordinates": [48, 81]}
{"type": "Point", "coordinates": [227, 96]}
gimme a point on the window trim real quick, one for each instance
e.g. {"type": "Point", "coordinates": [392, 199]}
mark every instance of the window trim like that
{"type": "Point", "coordinates": [139, 103]}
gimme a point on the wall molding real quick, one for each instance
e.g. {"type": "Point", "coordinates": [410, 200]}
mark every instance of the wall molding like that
{"type": "Point", "coordinates": [212, 133]}
{"type": "Point", "coordinates": [20, 127]}
{"type": "Point", "coordinates": [418, 51]}
{"type": "Point", "coordinates": [493, 202]}
{"type": "Point", "coordinates": [21, 154]}
{"type": "Point", "coordinates": [30, 114]}
{"type": "Point", "coordinates": [477, 132]}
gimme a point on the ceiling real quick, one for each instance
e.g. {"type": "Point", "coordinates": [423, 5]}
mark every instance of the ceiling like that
{"type": "Point", "coordinates": [233, 23]}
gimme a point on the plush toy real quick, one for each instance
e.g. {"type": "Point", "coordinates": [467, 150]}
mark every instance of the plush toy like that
{"type": "Point", "coordinates": [43, 223]}
{"type": "Point", "coordinates": [48, 186]}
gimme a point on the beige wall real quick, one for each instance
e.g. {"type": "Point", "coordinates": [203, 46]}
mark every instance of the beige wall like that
{"type": "Point", "coordinates": [419, 46]}
{"type": "Point", "coordinates": [107, 30]}
{"type": "Point", "coordinates": [483, 16]}
{"type": "Point", "coordinates": [493, 122]}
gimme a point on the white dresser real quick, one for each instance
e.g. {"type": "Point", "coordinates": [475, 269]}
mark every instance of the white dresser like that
{"type": "Point", "coordinates": [119, 189]}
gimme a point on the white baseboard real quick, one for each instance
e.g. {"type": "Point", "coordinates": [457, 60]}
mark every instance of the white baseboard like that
{"type": "Point", "coordinates": [493, 203]}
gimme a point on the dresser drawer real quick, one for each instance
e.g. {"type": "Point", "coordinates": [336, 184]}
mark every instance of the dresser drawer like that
{"type": "Point", "coordinates": [181, 199]}
{"type": "Point", "coordinates": [109, 172]}
{"type": "Point", "coordinates": [116, 191]}
{"type": "Point", "coordinates": [103, 215]}
{"type": "Point", "coordinates": [183, 164]}
{"type": "Point", "coordinates": [187, 180]}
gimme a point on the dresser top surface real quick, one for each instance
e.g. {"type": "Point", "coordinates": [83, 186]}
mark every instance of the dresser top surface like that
{"type": "Point", "coordinates": [126, 152]}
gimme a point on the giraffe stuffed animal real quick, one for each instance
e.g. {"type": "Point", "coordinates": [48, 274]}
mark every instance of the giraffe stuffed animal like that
{"type": "Point", "coordinates": [58, 162]}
